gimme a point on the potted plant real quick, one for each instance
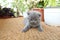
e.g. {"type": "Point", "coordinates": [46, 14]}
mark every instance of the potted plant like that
{"type": "Point", "coordinates": [51, 13]}
{"type": "Point", "coordinates": [38, 6]}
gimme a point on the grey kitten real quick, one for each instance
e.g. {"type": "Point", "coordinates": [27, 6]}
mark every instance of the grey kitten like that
{"type": "Point", "coordinates": [33, 20]}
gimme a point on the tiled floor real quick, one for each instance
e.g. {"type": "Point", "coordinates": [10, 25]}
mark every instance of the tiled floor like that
{"type": "Point", "coordinates": [10, 29]}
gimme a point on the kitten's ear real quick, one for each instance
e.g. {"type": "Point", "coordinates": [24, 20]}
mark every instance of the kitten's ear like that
{"type": "Point", "coordinates": [39, 15]}
{"type": "Point", "coordinates": [28, 13]}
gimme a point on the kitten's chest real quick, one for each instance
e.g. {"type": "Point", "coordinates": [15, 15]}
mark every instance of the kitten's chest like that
{"type": "Point", "coordinates": [34, 25]}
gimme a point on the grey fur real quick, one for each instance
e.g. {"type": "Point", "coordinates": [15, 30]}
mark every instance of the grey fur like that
{"type": "Point", "coordinates": [33, 20]}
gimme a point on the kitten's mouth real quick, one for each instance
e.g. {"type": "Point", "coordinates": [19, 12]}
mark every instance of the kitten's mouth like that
{"type": "Point", "coordinates": [33, 23]}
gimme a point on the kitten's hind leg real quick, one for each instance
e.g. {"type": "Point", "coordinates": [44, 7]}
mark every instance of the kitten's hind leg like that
{"type": "Point", "coordinates": [40, 28]}
{"type": "Point", "coordinates": [26, 28]}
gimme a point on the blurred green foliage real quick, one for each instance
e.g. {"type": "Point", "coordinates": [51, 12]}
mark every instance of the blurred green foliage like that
{"type": "Point", "coordinates": [40, 4]}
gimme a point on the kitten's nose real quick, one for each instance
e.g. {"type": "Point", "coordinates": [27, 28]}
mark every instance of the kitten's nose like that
{"type": "Point", "coordinates": [34, 23]}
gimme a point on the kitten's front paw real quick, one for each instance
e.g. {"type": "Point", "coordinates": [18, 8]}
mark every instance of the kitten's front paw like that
{"type": "Point", "coordinates": [23, 30]}
{"type": "Point", "coordinates": [41, 30]}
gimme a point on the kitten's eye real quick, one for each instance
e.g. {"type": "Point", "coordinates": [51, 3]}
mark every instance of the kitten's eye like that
{"type": "Point", "coordinates": [39, 15]}
{"type": "Point", "coordinates": [31, 19]}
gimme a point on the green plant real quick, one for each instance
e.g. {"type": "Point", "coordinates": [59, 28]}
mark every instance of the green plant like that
{"type": "Point", "coordinates": [45, 3]}
{"type": "Point", "coordinates": [58, 3]}
{"type": "Point", "coordinates": [19, 5]}
{"type": "Point", "coordinates": [36, 4]}
{"type": "Point", "coordinates": [40, 4]}
{"type": "Point", "coordinates": [49, 3]}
